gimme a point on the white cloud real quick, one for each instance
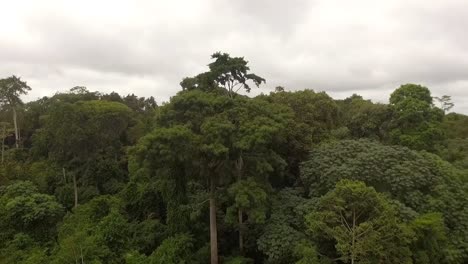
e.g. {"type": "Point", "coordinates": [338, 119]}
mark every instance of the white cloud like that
{"type": "Point", "coordinates": [368, 47]}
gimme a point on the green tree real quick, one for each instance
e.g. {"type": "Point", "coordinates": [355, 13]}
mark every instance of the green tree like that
{"type": "Point", "coordinates": [26, 210]}
{"type": "Point", "coordinates": [169, 157]}
{"type": "Point", "coordinates": [96, 232]}
{"type": "Point", "coordinates": [86, 138]}
{"type": "Point", "coordinates": [406, 175]}
{"type": "Point", "coordinates": [231, 73]}
{"type": "Point", "coordinates": [231, 130]}
{"type": "Point", "coordinates": [137, 104]}
{"type": "Point", "coordinates": [421, 181]}
{"type": "Point", "coordinates": [250, 200]}
{"type": "Point", "coordinates": [4, 130]}
{"type": "Point", "coordinates": [306, 253]}
{"type": "Point", "coordinates": [22, 249]}
{"type": "Point", "coordinates": [456, 129]}
{"type": "Point", "coordinates": [450, 199]}
{"type": "Point", "coordinates": [365, 119]}
{"type": "Point", "coordinates": [229, 139]}
{"type": "Point", "coordinates": [430, 240]}
{"type": "Point", "coordinates": [456, 126]}
{"type": "Point", "coordinates": [363, 224]}
{"type": "Point", "coordinates": [192, 121]}
{"type": "Point", "coordinates": [11, 89]}
{"type": "Point", "coordinates": [445, 102]}
{"type": "Point", "coordinates": [416, 123]}
{"type": "Point", "coordinates": [257, 125]}
{"type": "Point", "coordinates": [283, 236]}
{"type": "Point", "coordinates": [312, 118]}
{"type": "Point", "coordinates": [176, 249]}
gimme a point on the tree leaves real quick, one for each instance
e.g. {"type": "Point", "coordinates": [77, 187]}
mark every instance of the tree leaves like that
{"type": "Point", "coordinates": [363, 224]}
{"type": "Point", "coordinates": [230, 73]}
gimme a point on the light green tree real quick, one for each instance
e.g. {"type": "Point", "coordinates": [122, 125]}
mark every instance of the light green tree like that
{"type": "Point", "coordinates": [11, 89]}
{"type": "Point", "coordinates": [363, 224]}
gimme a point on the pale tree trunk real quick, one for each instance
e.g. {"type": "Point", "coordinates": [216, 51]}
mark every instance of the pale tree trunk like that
{"type": "Point", "coordinates": [3, 142]}
{"type": "Point", "coordinates": [81, 254]}
{"type": "Point", "coordinates": [241, 233]}
{"type": "Point", "coordinates": [75, 187]}
{"type": "Point", "coordinates": [213, 226]}
{"type": "Point", "coordinates": [239, 166]}
{"type": "Point", "coordinates": [74, 255]}
{"type": "Point", "coordinates": [353, 238]}
{"type": "Point", "coordinates": [16, 126]}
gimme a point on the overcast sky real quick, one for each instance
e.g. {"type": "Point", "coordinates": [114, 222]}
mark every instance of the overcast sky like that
{"type": "Point", "coordinates": [368, 47]}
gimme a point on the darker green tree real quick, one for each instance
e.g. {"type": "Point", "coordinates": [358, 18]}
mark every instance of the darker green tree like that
{"type": "Point", "coordinates": [313, 118]}
{"type": "Point", "coordinates": [25, 210]}
{"type": "Point", "coordinates": [365, 119]}
{"type": "Point", "coordinates": [86, 139]}
{"type": "Point", "coordinates": [416, 123]}
{"type": "Point", "coordinates": [230, 73]}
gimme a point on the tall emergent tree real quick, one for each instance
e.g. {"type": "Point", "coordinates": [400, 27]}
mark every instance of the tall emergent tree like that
{"type": "Point", "coordinates": [189, 144]}
{"type": "Point", "coordinates": [252, 156]}
{"type": "Point", "coordinates": [11, 89]}
{"type": "Point", "coordinates": [445, 102]}
{"type": "Point", "coordinates": [230, 73]}
{"type": "Point", "coordinates": [232, 136]}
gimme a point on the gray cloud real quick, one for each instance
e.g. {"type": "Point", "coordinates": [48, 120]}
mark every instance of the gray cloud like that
{"type": "Point", "coordinates": [146, 47]}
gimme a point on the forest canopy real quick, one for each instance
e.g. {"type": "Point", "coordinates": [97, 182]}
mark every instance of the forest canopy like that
{"type": "Point", "coordinates": [216, 176]}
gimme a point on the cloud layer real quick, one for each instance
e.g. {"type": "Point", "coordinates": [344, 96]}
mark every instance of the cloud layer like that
{"type": "Point", "coordinates": [368, 47]}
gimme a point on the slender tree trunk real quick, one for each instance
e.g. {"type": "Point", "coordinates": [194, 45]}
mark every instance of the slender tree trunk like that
{"type": "Point", "coordinates": [81, 253]}
{"type": "Point", "coordinates": [353, 237]}
{"type": "Point", "coordinates": [74, 255]}
{"type": "Point", "coordinates": [75, 187]}
{"type": "Point", "coordinates": [3, 142]}
{"type": "Point", "coordinates": [241, 233]}
{"type": "Point", "coordinates": [239, 167]}
{"type": "Point", "coordinates": [213, 226]}
{"type": "Point", "coordinates": [16, 126]}
{"type": "Point", "coordinates": [76, 190]}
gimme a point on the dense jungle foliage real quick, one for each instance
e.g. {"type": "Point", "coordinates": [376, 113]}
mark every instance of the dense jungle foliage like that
{"type": "Point", "coordinates": [214, 176]}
